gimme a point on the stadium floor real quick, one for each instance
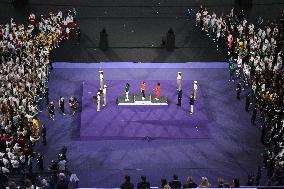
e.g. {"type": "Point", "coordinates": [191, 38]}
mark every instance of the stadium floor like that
{"type": "Point", "coordinates": [232, 150]}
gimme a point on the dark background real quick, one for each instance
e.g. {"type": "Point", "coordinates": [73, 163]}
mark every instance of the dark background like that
{"type": "Point", "coordinates": [136, 27]}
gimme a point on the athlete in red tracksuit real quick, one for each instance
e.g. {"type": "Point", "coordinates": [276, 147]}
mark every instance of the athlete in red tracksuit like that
{"type": "Point", "coordinates": [143, 87]}
{"type": "Point", "coordinates": [157, 91]}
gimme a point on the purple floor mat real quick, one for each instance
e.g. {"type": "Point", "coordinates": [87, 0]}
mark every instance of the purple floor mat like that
{"type": "Point", "coordinates": [162, 122]}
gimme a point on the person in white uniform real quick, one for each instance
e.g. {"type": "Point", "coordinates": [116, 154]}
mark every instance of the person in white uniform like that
{"type": "Point", "coordinates": [179, 81]}
{"type": "Point", "coordinates": [195, 87]}
{"type": "Point", "coordinates": [98, 101]}
{"type": "Point", "coordinates": [104, 95]}
{"type": "Point", "coordinates": [101, 80]}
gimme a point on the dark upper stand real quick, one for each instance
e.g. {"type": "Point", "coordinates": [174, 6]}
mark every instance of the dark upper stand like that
{"type": "Point", "coordinates": [103, 40]}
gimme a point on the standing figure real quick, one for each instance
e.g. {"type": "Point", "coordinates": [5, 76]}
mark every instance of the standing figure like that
{"type": "Point", "coordinates": [43, 134]}
{"type": "Point", "coordinates": [179, 97]}
{"type": "Point", "coordinates": [195, 87]}
{"type": "Point", "coordinates": [73, 105]}
{"type": "Point", "coordinates": [179, 81]}
{"type": "Point", "coordinates": [232, 69]}
{"type": "Point", "coordinates": [143, 87]}
{"type": "Point", "coordinates": [51, 110]}
{"type": "Point", "coordinates": [104, 95]}
{"type": "Point", "coordinates": [239, 90]}
{"type": "Point", "coordinates": [98, 101]}
{"type": "Point", "coordinates": [61, 105]}
{"type": "Point", "coordinates": [253, 116]}
{"type": "Point", "coordinates": [248, 97]}
{"type": "Point", "coordinates": [35, 122]}
{"type": "Point", "coordinates": [191, 103]}
{"type": "Point", "coordinates": [126, 90]}
{"type": "Point", "coordinates": [157, 91]}
{"type": "Point", "coordinates": [39, 161]}
{"type": "Point", "coordinates": [101, 80]}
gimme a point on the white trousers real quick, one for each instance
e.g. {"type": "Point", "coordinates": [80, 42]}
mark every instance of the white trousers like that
{"type": "Point", "coordinates": [127, 96]}
{"type": "Point", "coordinates": [191, 108]}
{"type": "Point", "coordinates": [105, 99]}
{"type": "Point", "coordinates": [98, 105]}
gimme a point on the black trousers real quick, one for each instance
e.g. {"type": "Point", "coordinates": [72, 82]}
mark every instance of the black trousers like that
{"type": "Point", "coordinates": [143, 93]}
{"type": "Point", "coordinates": [179, 102]}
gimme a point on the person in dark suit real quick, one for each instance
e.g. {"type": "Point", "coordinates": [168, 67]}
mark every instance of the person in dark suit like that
{"type": "Point", "coordinates": [179, 97]}
{"type": "Point", "coordinates": [189, 183]}
{"type": "Point", "coordinates": [127, 184]}
{"type": "Point", "coordinates": [247, 102]}
{"type": "Point", "coordinates": [191, 103]}
{"type": "Point", "coordinates": [239, 90]}
{"type": "Point", "coordinates": [175, 182]}
{"type": "Point", "coordinates": [43, 134]}
{"type": "Point", "coordinates": [143, 184]}
{"type": "Point", "coordinates": [253, 116]}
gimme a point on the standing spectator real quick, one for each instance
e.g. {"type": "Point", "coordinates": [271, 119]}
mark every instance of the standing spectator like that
{"type": "Point", "coordinates": [253, 116]}
{"type": "Point", "coordinates": [39, 161]}
{"type": "Point", "coordinates": [232, 70]}
{"type": "Point", "coordinates": [258, 176]}
{"type": "Point", "coordinates": [30, 163]}
{"type": "Point", "coordinates": [43, 134]}
{"type": "Point", "coordinates": [239, 90]}
{"type": "Point", "coordinates": [248, 97]}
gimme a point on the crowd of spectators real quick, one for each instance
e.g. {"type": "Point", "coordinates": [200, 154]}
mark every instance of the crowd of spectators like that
{"type": "Point", "coordinates": [24, 71]}
{"type": "Point", "coordinates": [255, 54]}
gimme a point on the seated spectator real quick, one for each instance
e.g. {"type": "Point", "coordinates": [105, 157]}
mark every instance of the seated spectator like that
{"type": "Point", "coordinates": [236, 183]}
{"type": "Point", "coordinates": [62, 182]}
{"type": "Point", "coordinates": [29, 184]}
{"type": "Point", "coordinates": [204, 183]}
{"type": "Point", "coordinates": [127, 184]}
{"type": "Point", "coordinates": [12, 185]}
{"type": "Point", "coordinates": [143, 184]}
{"type": "Point", "coordinates": [73, 182]}
{"type": "Point", "coordinates": [221, 183]}
{"type": "Point", "coordinates": [189, 183]}
{"type": "Point", "coordinates": [175, 183]}
{"type": "Point", "coordinates": [164, 184]}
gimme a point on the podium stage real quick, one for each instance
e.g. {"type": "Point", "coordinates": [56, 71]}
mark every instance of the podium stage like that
{"type": "Point", "coordinates": [136, 99]}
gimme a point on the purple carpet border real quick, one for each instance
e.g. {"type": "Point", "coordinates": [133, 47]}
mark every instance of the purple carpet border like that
{"type": "Point", "coordinates": [104, 65]}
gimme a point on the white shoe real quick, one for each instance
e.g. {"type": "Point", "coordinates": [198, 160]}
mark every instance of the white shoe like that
{"type": "Point", "coordinates": [104, 105]}
{"type": "Point", "coordinates": [143, 98]}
